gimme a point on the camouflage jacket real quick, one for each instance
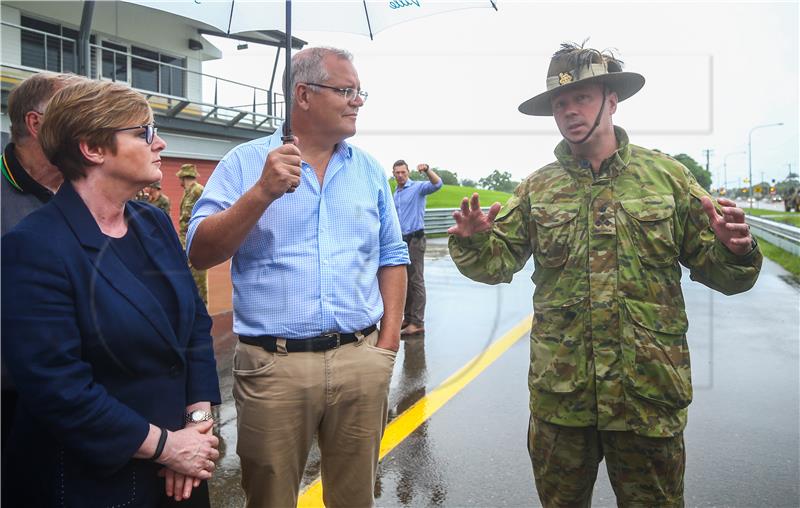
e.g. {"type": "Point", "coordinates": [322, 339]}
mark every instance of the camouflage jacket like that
{"type": "Point", "coordinates": [190, 197]}
{"type": "Point", "coordinates": [162, 203]}
{"type": "Point", "coordinates": [608, 339]}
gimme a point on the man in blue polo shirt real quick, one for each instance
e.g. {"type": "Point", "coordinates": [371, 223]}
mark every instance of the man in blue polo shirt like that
{"type": "Point", "coordinates": [409, 199]}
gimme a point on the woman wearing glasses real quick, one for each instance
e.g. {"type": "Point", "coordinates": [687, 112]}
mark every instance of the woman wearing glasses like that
{"type": "Point", "coordinates": [103, 330]}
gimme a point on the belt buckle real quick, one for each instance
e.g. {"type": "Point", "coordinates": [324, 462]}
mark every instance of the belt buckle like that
{"type": "Point", "coordinates": [334, 335]}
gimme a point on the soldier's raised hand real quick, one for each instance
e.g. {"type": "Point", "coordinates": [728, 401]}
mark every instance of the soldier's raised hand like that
{"type": "Point", "coordinates": [730, 227]}
{"type": "Point", "coordinates": [281, 173]}
{"type": "Point", "coordinates": [470, 219]}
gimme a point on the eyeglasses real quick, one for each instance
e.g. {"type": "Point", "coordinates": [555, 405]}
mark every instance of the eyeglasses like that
{"type": "Point", "coordinates": [150, 131]}
{"type": "Point", "coordinates": [349, 94]}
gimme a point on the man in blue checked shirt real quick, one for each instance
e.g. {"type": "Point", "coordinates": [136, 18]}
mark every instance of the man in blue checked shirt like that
{"type": "Point", "coordinates": [410, 197]}
{"type": "Point", "coordinates": [318, 261]}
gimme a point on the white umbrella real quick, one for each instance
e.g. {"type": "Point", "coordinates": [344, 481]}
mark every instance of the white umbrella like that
{"type": "Point", "coordinates": [363, 17]}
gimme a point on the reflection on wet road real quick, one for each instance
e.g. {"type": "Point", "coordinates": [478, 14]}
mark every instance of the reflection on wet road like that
{"type": "Point", "coordinates": [742, 440]}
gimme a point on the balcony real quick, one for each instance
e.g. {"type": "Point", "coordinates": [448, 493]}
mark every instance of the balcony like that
{"type": "Point", "coordinates": [181, 98]}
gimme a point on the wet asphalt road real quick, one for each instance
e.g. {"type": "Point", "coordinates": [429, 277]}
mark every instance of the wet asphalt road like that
{"type": "Point", "coordinates": [743, 438]}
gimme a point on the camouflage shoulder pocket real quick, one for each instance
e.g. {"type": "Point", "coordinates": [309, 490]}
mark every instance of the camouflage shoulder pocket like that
{"type": "Point", "coordinates": [650, 223]}
{"type": "Point", "coordinates": [508, 208]}
{"type": "Point", "coordinates": [555, 227]}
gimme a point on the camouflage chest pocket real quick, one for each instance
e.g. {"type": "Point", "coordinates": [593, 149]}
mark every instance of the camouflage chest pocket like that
{"type": "Point", "coordinates": [558, 346]}
{"type": "Point", "coordinates": [656, 354]}
{"type": "Point", "coordinates": [649, 223]}
{"type": "Point", "coordinates": [555, 227]}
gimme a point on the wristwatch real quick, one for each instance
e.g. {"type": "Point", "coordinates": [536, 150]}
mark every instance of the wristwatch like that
{"type": "Point", "coordinates": [198, 416]}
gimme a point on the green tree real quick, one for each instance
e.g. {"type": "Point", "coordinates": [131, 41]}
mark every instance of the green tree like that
{"type": "Point", "coordinates": [448, 177]}
{"type": "Point", "coordinates": [499, 181]}
{"type": "Point", "coordinates": [466, 182]}
{"type": "Point", "coordinates": [786, 187]}
{"type": "Point", "coordinates": [702, 176]}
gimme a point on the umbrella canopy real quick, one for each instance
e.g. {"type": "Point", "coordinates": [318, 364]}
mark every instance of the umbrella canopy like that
{"type": "Point", "coordinates": [364, 17]}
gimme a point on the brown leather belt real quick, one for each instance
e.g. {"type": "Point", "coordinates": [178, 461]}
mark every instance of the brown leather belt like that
{"type": "Point", "coordinates": [414, 234]}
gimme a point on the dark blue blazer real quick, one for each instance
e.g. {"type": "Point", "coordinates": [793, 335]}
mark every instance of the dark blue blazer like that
{"type": "Point", "coordinates": [94, 356]}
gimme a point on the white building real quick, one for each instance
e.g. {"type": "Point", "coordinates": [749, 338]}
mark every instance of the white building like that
{"type": "Point", "coordinates": [155, 52]}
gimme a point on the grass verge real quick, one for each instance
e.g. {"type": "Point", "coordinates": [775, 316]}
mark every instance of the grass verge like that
{"type": "Point", "coordinates": [790, 218]}
{"type": "Point", "coordinates": [786, 259]}
{"type": "Point", "coordinates": [450, 196]}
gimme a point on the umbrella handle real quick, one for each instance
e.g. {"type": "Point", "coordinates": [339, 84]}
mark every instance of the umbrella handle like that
{"type": "Point", "coordinates": [288, 139]}
{"type": "Point", "coordinates": [287, 74]}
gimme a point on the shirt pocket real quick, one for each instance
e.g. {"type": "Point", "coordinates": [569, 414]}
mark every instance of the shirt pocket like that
{"type": "Point", "coordinates": [558, 346]}
{"type": "Point", "coordinates": [555, 227]}
{"type": "Point", "coordinates": [656, 354]}
{"type": "Point", "coordinates": [650, 224]}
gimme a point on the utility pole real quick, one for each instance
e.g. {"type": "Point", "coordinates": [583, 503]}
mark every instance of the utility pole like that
{"type": "Point", "coordinates": [707, 152]}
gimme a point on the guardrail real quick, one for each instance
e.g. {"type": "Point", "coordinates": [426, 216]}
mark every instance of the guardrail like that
{"type": "Point", "coordinates": [784, 236]}
{"type": "Point", "coordinates": [437, 220]}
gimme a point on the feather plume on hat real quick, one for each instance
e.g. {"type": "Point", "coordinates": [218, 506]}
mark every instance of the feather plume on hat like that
{"type": "Point", "coordinates": [578, 56]}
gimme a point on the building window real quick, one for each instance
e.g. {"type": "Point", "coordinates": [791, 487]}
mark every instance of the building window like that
{"type": "Point", "coordinates": [149, 72]}
{"type": "Point", "coordinates": [52, 53]}
{"type": "Point", "coordinates": [115, 62]}
{"type": "Point", "coordinates": [172, 79]}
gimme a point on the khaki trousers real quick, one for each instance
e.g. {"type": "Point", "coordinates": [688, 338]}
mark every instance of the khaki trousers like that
{"type": "Point", "coordinates": [284, 399]}
{"type": "Point", "coordinates": [415, 292]}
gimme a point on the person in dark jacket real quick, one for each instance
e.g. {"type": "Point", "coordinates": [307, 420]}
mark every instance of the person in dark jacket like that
{"type": "Point", "coordinates": [29, 181]}
{"type": "Point", "coordinates": [103, 331]}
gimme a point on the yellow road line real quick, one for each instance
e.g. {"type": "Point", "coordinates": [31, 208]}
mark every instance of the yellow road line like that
{"type": "Point", "coordinates": [407, 422]}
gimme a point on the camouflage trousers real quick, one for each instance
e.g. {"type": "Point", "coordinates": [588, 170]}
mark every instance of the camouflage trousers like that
{"type": "Point", "coordinates": [644, 471]}
{"type": "Point", "coordinates": [201, 280]}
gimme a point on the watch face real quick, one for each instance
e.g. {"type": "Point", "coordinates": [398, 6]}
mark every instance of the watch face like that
{"type": "Point", "coordinates": [198, 416]}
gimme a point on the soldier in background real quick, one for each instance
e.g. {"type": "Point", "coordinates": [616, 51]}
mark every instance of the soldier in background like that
{"type": "Point", "coordinates": [608, 224]}
{"type": "Point", "coordinates": [158, 198]}
{"type": "Point", "coordinates": [192, 191]}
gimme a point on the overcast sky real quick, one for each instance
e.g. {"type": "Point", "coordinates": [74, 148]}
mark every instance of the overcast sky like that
{"type": "Point", "coordinates": [445, 89]}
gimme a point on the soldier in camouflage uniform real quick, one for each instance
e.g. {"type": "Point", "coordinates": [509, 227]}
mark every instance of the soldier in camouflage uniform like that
{"type": "Point", "coordinates": [192, 191]}
{"type": "Point", "coordinates": [157, 198]}
{"type": "Point", "coordinates": [608, 224]}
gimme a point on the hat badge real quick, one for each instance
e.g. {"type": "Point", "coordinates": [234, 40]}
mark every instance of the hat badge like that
{"type": "Point", "coordinates": [564, 78]}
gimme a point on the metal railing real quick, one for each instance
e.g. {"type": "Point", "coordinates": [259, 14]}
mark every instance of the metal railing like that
{"type": "Point", "coordinates": [784, 236]}
{"type": "Point", "coordinates": [265, 111]}
{"type": "Point", "coordinates": [438, 220]}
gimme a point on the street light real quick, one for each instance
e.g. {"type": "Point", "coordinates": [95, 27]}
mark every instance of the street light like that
{"type": "Point", "coordinates": [725, 166]}
{"type": "Point", "coordinates": [750, 156]}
